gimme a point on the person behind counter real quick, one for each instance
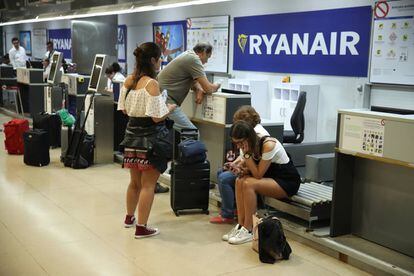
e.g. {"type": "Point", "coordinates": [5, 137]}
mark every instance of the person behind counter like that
{"type": "Point", "coordinates": [5, 60]}
{"type": "Point", "coordinates": [227, 176]}
{"type": "Point", "coordinates": [46, 68]}
{"type": "Point", "coordinates": [17, 54]}
{"type": "Point", "coordinates": [113, 73]}
{"type": "Point", "coordinates": [141, 100]}
{"type": "Point", "coordinates": [182, 73]}
{"type": "Point", "coordinates": [269, 172]}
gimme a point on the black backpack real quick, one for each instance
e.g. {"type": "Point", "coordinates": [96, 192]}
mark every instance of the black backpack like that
{"type": "Point", "coordinates": [273, 245]}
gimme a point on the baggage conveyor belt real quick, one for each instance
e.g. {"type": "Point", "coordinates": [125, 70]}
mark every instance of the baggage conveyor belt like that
{"type": "Point", "coordinates": [312, 202]}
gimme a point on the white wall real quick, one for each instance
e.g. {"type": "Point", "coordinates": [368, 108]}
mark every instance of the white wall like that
{"type": "Point", "coordinates": [335, 92]}
{"type": "Point", "coordinates": [13, 31]}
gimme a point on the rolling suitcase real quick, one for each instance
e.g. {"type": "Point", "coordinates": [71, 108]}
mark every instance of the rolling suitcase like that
{"type": "Point", "coordinates": [13, 132]}
{"type": "Point", "coordinates": [36, 148]}
{"type": "Point", "coordinates": [190, 186]}
{"type": "Point", "coordinates": [51, 123]}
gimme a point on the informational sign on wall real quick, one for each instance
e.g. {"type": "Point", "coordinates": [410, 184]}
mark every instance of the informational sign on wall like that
{"type": "Point", "coordinates": [62, 41]}
{"type": "Point", "coordinates": [171, 37]}
{"type": "Point", "coordinates": [392, 56]}
{"type": "Point", "coordinates": [214, 30]}
{"type": "Point", "coordinates": [327, 42]}
{"type": "Point", "coordinates": [365, 135]}
{"type": "Point", "coordinates": [39, 43]}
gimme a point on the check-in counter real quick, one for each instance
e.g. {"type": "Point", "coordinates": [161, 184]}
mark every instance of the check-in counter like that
{"type": "Point", "coordinates": [7, 79]}
{"type": "Point", "coordinates": [373, 195]}
{"type": "Point", "coordinates": [213, 117]}
{"type": "Point", "coordinates": [31, 86]}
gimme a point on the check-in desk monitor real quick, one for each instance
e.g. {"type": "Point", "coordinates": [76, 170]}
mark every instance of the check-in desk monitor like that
{"type": "Point", "coordinates": [100, 120]}
{"type": "Point", "coordinates": [55, 65]}
{"type": "Point", "coordinates": [98, 81]}
{"type": "Point", "coordinates": [34, 64]}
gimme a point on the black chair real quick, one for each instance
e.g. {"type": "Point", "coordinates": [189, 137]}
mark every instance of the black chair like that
{"type": "Point", "coordinates": [297, 121]}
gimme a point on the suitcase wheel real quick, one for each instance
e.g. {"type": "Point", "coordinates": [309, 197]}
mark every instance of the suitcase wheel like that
{"type": "Point", "coordinates": [206, 211]}
{"type": "Point", "coordinates": [177, 213]}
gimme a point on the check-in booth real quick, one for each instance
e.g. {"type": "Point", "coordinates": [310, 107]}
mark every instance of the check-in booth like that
{"type": "Point", "coordinates": [373, 195]}
{"type": "Point", "coordinates": [7, 79]}
{"type": "Point", "coordinates": [31, 85]}
{"type": "Point", "coordinates": [214, 117]}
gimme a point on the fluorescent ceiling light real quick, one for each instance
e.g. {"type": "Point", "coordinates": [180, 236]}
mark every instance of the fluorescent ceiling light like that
{"type": "Point", "coordinates": [132, 9]}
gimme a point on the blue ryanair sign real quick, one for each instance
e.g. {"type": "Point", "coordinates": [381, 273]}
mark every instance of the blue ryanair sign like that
{"type": "Point", "coordinates": [327, 42]}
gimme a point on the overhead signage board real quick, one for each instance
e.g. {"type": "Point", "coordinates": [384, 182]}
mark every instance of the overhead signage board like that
{"type": "Point", "coordinates": [326, 42]}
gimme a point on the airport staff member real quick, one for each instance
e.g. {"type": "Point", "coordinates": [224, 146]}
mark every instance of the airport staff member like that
{"type": "Point", "coordinates": [113, 73]}
{"type": "Point", "coordinates": [17, 54]}
{"type": "Point", "coordinates": [50, 50]}
{"type": "Point", "coordinates": [182, 73]}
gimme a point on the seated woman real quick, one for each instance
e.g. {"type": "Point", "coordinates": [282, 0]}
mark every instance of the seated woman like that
{"type": "Point", "coordinates": [269, 172]}
{"type": "Point", "coordinates": [226, 178]}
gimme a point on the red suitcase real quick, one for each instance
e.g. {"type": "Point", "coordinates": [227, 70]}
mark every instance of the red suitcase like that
{"type": "Point", "coordinates": [13, 131]}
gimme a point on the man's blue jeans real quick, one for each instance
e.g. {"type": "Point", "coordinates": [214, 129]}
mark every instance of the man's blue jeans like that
{"type": "Point", "coordinates": [226, 181]}
{"type": "Point", "coordinates": [180, 119]}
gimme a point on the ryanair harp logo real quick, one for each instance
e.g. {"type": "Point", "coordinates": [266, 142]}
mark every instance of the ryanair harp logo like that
{"type": "Point", "coordinates": [242, 40]}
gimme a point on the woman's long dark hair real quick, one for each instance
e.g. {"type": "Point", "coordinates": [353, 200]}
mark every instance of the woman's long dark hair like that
{"type": "Point", "coordinates": [143, 65]}
{"type": "Point", "coordinates": [243, 130]}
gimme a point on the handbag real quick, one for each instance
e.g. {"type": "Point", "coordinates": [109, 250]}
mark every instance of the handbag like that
{"type": "Point", "coordinates": [191, 151]}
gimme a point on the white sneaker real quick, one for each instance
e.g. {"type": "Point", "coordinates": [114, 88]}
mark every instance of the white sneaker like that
{"type": "Point", "coordinates": [231, 233]}
{"type": "Point", "coordinates": [242, 236]}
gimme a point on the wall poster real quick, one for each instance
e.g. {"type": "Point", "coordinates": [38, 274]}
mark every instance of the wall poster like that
{"type": "Point", "coordinates": [122, 43]}
{"type": "Point", "coordinates": [392, 56]}
{"type": "Point", "coordinates": [39, 43]}
{"type": "Point", "coordinates": [171, 37]}
{"type": "Point", "coordinates": [214, 30]}
{"type": "Point", "coordinates": [26, 41]}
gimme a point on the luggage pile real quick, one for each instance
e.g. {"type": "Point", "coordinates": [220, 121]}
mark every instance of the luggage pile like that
{"type": "Point", "coordinates": [190, 172]}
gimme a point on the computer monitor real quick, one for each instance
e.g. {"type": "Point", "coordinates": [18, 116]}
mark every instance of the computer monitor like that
{"type": "Point", "coordinates": [98, 81]}
{"type": "Point", "coordinates": [55, 65]}
{"type": "Point", "coordinates": [34, 64]}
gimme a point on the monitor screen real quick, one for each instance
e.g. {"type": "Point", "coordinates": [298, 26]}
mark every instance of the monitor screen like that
{"type": "Point", "coordinates": [55, 64]}
{"type": "Point", "coordinates": [96, 72]}
{"type": "Point", "coordinates": [34, 64]}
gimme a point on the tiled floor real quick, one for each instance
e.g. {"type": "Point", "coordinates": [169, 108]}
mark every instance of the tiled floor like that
{"type": "Point", "coordinates": [60, 221]}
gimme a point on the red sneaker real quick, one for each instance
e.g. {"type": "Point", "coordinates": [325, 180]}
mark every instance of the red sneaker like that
{"type": "Point", "coordinates": [145, 231]}
{"type": "Point", "coordinates": [129, 221]}
{"type": "Point", "coordinates": [220, 220]}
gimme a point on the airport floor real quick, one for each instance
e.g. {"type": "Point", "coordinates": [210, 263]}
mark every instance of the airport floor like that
{"type": "Point", "coordinates": [59, 221]}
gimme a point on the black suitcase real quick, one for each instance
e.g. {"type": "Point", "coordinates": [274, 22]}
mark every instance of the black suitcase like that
{"type": "Point", "coordinates": [190, 186]}
{"type": "Point", "coordinates": [51, 123]}
{"type": "Point", "coordinates": [36, 148]}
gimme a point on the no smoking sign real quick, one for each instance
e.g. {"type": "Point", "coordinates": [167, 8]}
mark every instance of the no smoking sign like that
{"type": "Point", "coordinates": [381, 9]}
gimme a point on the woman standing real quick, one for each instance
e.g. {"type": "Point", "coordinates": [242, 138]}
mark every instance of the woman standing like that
{"type": "Point", "coordinates": [270, 172]}
{"type": "Point", "coordinates": [146, 142]}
